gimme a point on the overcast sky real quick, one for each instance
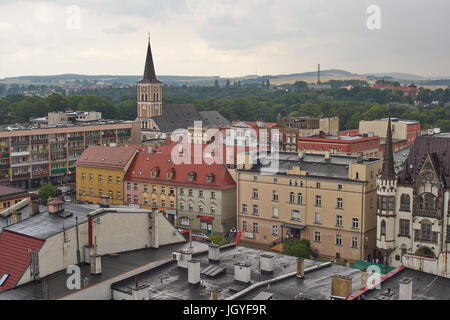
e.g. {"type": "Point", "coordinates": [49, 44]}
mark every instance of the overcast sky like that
{"type": "Point", "coordinates": [223, 37]}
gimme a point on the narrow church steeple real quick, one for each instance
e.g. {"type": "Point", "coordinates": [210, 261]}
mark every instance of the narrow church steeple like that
{"type": "Point", "coordinates": [388, 161]}
{"type": "Point", "coordinates": [149, 72]}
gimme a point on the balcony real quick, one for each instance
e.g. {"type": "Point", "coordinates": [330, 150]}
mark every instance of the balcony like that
{"type": "Point", "coordinates": [4, 155]}
{"type": "Point", "coordinates": [58, 150]}
{"type": "Point", "coordinates": [21, 176]}
{"type": "Point", "coordinates": [4, 166]}
{"type": "Point", "coordinates": [429, 213]}
{"type": "Point", "coordinates": [39, 141]}
{"type": "Point", "coordinates": [19, 143]}
{"type": "Point", "coordinates": [60, 170]}
{"type": "Point", "coordinates": [20, 154]}
{"type": "Point", "coordinates": [77, 138]}
{"type": "Point", "coordinates": [108, 135]}
{"type": "Point", "coordinates": [41, 173]}
{"type": "Point", "coordinates": [21, 164]}
{"type": "Point", "coordinates": [93, 137]}
{"type": "Point", "coordinates": [124, 134]}
{"type": "Point", "coordinates": [39, 162]}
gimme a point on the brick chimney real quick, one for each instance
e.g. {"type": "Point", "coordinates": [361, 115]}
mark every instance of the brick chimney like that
{"type": "Point", "coordinates": [55, 206]}
{"type": "Point", "coordinates": [341, 286]}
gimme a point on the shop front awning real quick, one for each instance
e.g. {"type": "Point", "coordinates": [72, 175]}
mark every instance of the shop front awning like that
{"type": "Point", "coordinates": [293, 226]}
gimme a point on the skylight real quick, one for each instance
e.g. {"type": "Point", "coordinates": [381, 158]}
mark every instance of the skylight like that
{"type": "Point", "coordinates": [3, 278]}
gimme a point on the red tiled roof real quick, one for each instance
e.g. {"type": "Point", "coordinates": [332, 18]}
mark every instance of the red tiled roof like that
{"type": "Point", "coordinates": [143, 163]}
{"type": "Point", "coordinates": [112, 157]}
{"type": "Point", "coordinates": [14, 256]}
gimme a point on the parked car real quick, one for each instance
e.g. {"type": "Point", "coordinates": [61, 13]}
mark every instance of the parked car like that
{"type": "Point", "coordinates": [199, 237]}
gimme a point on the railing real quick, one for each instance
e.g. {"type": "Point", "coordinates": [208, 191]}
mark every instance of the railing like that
{"type": "Point", "coordinates": [4, 166]}
{"type": "Point", "coordinates": [19, 143]}
{"type": "Point", "coordinates": [77, 138]}
{"type": "Point", "coordinates": [60, 170]}
{"type": "Point", "coordinates": [109, 135]}
{"type": "Point", "coordinates": [20, 176]}
{"type": "Point", "coordinates": [124, 134]}
{"type": "Point", "coordinates": [39, 141]}
{"type": "Point", "coordinates": [58, 150]}
{"type": "Point", "coordinates": [4, 155]}
{"type": "Point", "coordinates": [40, 173]}
{"type": "Point", "coordinates": [93, 137]}
{"type": "Point", "coordinates": [430, 213]}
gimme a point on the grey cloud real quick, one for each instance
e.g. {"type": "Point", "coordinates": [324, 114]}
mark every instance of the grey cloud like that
{"type": "Point", "coordinates": [123, 28]}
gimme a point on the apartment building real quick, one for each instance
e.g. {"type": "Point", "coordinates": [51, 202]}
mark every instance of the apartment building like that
{"type": "Point", "coordinates": [100, 174]}
{"type": "Point", "coordinates": [198, 197]}
{"type": "Point", "coordinates": [327, 199]}
{"type": "Point", "coordinates": [367, 144]}
{"type": "Point", "coordinates": [291, 128]}
{"type": "Point", "coordinates": [404, 132]}
{"type": "Point", "coordinates": [31, 157]}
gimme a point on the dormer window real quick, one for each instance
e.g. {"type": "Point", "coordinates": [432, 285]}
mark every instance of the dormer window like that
{"type": "Point", "coordinates": [170, 174]}
{"type": "Point", "coordinates": [155, 172]}
{"type": "Point", "coordinates": [210, 178]}
{"type": "Point", "coordinates": [192, 176]}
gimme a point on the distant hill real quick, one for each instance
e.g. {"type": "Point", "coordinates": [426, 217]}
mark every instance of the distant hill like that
{"type": "Point", "coordinates": [310, 77]}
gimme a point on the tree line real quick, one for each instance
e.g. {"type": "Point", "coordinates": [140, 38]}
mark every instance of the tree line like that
{"type": "Point", "coordinates": [250, 104]}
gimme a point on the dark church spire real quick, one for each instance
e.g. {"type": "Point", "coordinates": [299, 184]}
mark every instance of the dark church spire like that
{"type": "Point", "coordinates": [149, 72]}
{"type": "Point", "coordinates": [388, 161]}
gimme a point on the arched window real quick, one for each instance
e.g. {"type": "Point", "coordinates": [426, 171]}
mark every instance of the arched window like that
{"type": "Point", "coordinates": [405, 202]}
{"type": "Point", "coordinates": [383, 228]}
{"type": "Point", "coordinates": [292, 197]}
{"type": "Point", "coordinates": [300, 198]}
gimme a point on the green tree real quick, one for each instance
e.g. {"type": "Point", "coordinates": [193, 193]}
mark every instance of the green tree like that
{"type": "Point", "coordinates": [217, 239]}
{"type": "Point", "coordinates": [47, 191]}
{"type": "Point", "coordinates": [300, 248]}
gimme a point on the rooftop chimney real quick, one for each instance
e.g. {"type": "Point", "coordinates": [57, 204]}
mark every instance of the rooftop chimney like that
{"type": "Point", "coordinates": [364, 278]}
{"type": "Point", "coordinates": [327, 155]}
{"type": "Point", "coordinates": [266, 263]}
{"type": "Point", "coordinates": [55, 206]}
{"type": "Point", "coordinates": [194, 272]}
{"type": "Point", "coordinates": [214, 253]}
{"type": "Point", "coordinates": [215, 295]}
{"type": "Point", "coordinates": [301, 154]}
{"type": "Point", "coordinates": [300, 268]}
{"type": "Point", "coordinates": [405, 292]}
{"type": "Point", "coordinates": [341, 286]}
{"type": "Point", "coordinates": [242, 272]}
{"type": "Point", "coordinates": [185, 256]}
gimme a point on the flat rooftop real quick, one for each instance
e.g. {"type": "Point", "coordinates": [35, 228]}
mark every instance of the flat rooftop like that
{"type": "Point", "coordinates": [44, 225]}
{"type": "Point", "coordinates": [426, 286]}
{"type": "Point", "coordinates": [315, 164]}
{"type": "Point", "coordinates": [55, 286]}
{"type": "Point", "coordinates": [168, 282]}
{"type": "Point", "coordinates": [29, 126]}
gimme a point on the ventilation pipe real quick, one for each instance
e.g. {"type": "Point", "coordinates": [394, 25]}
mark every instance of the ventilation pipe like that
{"type": "Point", "coordinates": [242, 272]}
{"type": "Point", "coordinates": [300, 268]}
{"type": "Point", "coordinates": [406, 285]}
{"type": "Point", "coordinates": [194, 273]}
{"type": "Point", "coordinates": [214, 253]}
{"type": "Point", "coordinates": [266, 263]}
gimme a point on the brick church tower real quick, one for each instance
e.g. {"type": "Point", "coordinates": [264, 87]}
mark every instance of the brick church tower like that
{"type": "Point", "coordinates": [149, 95]}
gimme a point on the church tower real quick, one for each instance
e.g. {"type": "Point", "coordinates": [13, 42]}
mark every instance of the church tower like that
{"type": "Point", "coordinates": [149, 94]}
{"type": "Point", "coordinates": [386, 192]}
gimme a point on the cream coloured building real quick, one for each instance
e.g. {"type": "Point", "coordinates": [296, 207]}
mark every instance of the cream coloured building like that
{"type": "Point", "coordinates": [327, 199]}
